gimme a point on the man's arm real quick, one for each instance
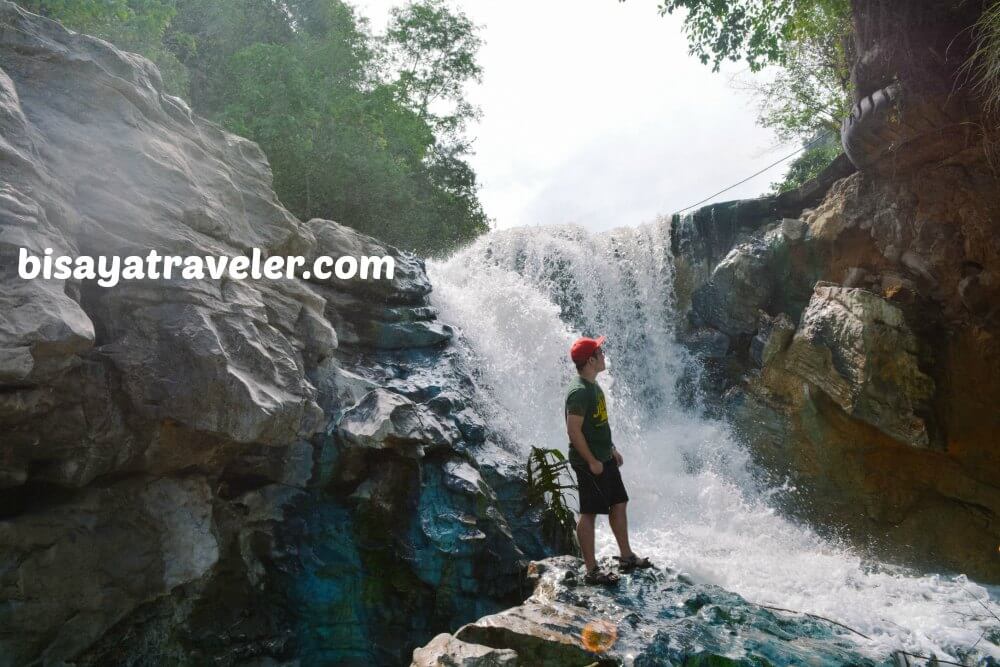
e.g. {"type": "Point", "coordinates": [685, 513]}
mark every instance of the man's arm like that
{"type": "Point", "coordinates": [574, 427]}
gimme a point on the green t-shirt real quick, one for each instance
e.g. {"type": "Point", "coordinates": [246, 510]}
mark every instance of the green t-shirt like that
{"type": "Point", "coordinates": [586, 399]}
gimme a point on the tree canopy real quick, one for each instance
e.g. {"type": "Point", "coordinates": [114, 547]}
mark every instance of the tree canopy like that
{"type": "Point", "coordinates": [365, 129]}
{"type": "Point", "coordinates": [805, 43]}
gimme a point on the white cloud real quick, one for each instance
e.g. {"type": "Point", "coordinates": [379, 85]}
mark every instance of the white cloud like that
{"type": "Point", "coordinates": [593, 112]}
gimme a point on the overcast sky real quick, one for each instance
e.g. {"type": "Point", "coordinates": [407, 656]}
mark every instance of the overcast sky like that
{"type": "Point", "coordinates": [594, 113]}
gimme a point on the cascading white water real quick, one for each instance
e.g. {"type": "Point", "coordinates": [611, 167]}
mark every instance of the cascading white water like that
{"type": "Point", "coordinates": [520, 296]}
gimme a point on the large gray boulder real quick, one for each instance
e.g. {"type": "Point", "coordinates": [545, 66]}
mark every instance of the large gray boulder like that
{"type": "Point", "coordinates": [740, 286]}
{"type": "Point", "coordinates": [113, 166]}
{"type": "Point", "coordinates": [166, 445]}
{"type": "Point", "coordinates": [66, 574]}
{"type": "Point", "coordinates": [383, 419]}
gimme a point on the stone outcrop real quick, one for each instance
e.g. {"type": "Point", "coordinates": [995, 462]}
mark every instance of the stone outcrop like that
{"type": "Point", "coordinates": [446, 651]}
{"type": "Point", "coordinates": [856, 348]}
{"type": "Point", "coordinates": [226, 472]}
{"type": "Point", "coordinates": [652, 618]}
{"type": "Point", "coordinates": [863, 355]}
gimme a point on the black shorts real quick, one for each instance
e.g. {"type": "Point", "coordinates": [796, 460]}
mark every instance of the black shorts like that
{"type": "Point", "coordinates": [598, 494]}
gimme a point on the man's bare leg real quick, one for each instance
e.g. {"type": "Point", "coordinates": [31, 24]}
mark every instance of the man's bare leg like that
{"type": "Point", "coordinates": [618, 519]}
{"type": "Point", "coordinates": [585, 535]}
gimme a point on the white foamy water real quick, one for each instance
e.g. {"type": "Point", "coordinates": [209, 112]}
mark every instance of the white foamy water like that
{"type": "Point", "coordinates": [521, 296]}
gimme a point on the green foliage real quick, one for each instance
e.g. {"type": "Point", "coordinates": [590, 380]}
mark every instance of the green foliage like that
{"type": "Point", "coordinates": [810, 91]}
{"type": "Point", "coordinates": [985, 60]}
{"type": "Point", "coordinates": [434, 52]}
{"type": "Point", "coordinates": [132, 25]}
{"type": "Point", "coordinates": [757, 31]}
{"type": "Point", "coordinates": [363, 129]}
{"type": "Point", "coordinates": [808, 165]}
{"type": "Point", "coordinates": [718, 30]}
{"type": "Point", "coordinates": [546, 470]}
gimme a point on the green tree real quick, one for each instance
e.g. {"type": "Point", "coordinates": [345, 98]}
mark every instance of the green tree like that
{"type": "Point", "coordinates": [342, 141]}
{"type": "Point", "coordinates": [757, 31]}
{"type": "Point", "coordinates": [807, 41]}
{"type": "Point", "coordinates": [433, 51]}
{"type": "Point", "coordinates": [205, 34]}
{"type": "Point", "coordinates": [348, 135]}
{"type": "Point", "coordinates": [808, 165]}
{"type": "Point", "coordinates": [132, 25]}
{"type": "Point", "coordinates": [810, 91]}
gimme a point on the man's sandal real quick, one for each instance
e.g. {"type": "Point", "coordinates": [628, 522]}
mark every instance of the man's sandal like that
{"type": "Point", "coordinates": [601, 577]}
{"type": "Point", "coordinates": [633, 562]}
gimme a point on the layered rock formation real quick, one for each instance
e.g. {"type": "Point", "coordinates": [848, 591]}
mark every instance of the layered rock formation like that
{"type": "Point", "coordinates": [653, 618]}
{"type": "Point", "coordinates": [856, 343]}
{"type": "Point", "coordinates": [227, 472]}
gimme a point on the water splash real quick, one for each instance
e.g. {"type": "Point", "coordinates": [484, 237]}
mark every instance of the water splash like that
{"type": "Point", "coordinates": [520, 296]}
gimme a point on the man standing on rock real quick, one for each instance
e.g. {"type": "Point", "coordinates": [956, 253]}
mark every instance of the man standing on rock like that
{"type": "Point", "coordinates": [595, 461]}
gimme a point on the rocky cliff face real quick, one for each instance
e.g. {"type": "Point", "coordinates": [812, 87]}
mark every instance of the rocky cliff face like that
{"type": "Point", "coordinates": [235, 472]}
{"type": "Point", "coordinates": [856, 344]}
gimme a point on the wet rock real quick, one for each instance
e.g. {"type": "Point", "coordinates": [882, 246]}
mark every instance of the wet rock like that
{"type": "Point", "coordinates": [707, 342]}
{"type": "Point", "coordinates": [538, 633]}
{"type": "Point", "coordinates": [703, 238]}
{"type": "Point", "coordinates": [365, 323]}
{"type": "Point", "coordinates": [403, 335]}
{"type": "Point", "coordinates": [338, 387]}
{"type": "Point", "coordinates": [409, 284]}
{"type": "Point", "coordinates": [918, 227]}
{"type": "Point", "coordinates": [773, 336]}
{"type": "Point", "coordinates": [459, 521]}
{"type": "Point", "coordinates": [897, 288]}
{"type": "Point", "coordinates": [741, 285]}
{"type": "Point", "coordinates": [856, 277]}
{"type": "Point", "coordinates": [384, 419]}
{"type": "Point", "coordinates": [857, 348]}
{"type": "Point", "coordinates": [446, 651]}
{"type": "Point", "coordinates": [793, 229]}
{"type": "Point", "coordinates": [652, 618]}
{"type": "Point", "coordinates": [74, 570]}
{"type": "Point", "coordinates": [503, 470]}
{"type": "Point", "coordinates": [979, 293]}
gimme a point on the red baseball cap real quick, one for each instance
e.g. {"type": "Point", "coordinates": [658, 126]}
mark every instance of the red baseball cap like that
{"type": "Point", "coordinates": [584, 348]}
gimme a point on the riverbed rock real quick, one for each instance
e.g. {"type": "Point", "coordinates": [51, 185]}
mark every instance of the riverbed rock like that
{"type": "Point", "coordinates": [653, 617]}
{"type": "Point", "coordinates": [447, 651]}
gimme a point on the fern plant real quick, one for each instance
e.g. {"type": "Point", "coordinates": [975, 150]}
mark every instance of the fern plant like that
{"type": "Point", "coordinates": [546, 490]}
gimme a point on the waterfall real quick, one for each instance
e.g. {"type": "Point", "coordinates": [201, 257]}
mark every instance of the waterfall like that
{"type": "Point", "coordinates": [520, 296]}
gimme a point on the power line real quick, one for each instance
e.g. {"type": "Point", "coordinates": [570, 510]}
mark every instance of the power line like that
{"type": "Point", "coordinates": [774, 164]}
